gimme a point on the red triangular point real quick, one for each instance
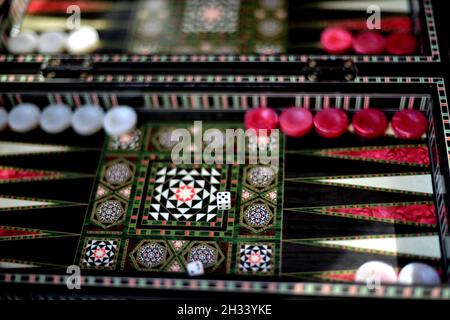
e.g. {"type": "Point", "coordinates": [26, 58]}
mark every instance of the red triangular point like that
{"type": "Point", "coordinates": [9, 232]}
{"type": "Point", "coordinates": [424, 213]}
{"type": "Point", "coordinates": [8, 174]}
{"type": "Point", "coordinates": [409, 155]}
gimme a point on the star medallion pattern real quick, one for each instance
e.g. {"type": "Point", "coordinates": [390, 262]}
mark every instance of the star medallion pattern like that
{"type": "Point", "coordinates": [255, 258]}
{"type": "Point", "coordinates": [100, 253]}
{"type": "Point", "coordinates": [185, 194]}
{"type": "Point", "coordinates": [215, 16]}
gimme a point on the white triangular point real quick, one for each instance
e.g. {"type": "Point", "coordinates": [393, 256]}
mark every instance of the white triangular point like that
{"type": "Point", "coordinates": [13, 203]}
{"type": "Point", "coordinates": [12, 265]}
{"type": "Point", "coordinates": [17, 148]}
{"type": "Point", "coordinates": [422, 246]}
{"type": "Point", "coordinates": [420, 183]}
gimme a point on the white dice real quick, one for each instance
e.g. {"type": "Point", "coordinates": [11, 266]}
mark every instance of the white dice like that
{"type": "Point", "coordinates": [224, 200]}
{"type": "Point", "coordinates": [195, 268]}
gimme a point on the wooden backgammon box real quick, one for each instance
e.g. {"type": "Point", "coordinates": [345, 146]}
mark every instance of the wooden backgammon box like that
{"type": "Point", "coordinates": [122, 214]}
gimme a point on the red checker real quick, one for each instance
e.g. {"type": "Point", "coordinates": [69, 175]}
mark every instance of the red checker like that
{"type": "Point", "coordinates": [369, 42]}
{"type": "Point", "coordinates": [331, 123]}
{"type": "Point", "coordinates": [370, 123]}
{"type": "Point", "coordinates": [401, 44]}
{"type": "Point", "coordinates": [336, 40]}
{"type": "Point", "coordinates": [261, 118]}
{"type": "Point", "coordinates": [296, 122]}
{"type": "Point", "coordinates": [409, 124]}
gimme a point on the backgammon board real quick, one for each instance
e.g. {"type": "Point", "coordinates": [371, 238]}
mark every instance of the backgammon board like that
{"type": "Point", "coordinates": [119, 210]}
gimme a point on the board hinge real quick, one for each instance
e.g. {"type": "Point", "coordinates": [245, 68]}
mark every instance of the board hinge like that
{"type": "Point", "coordinates": [330, 70]}
{"type": "Point", "coordinates": [73, 68]}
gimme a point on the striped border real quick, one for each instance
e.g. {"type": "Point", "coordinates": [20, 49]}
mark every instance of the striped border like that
{"type": "Point", "coordinates": [232, 286]}
{"type": "Point", "coordinates": [213, 79]}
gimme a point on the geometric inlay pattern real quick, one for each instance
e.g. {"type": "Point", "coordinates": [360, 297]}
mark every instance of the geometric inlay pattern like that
{"type": "Point", "coordinates": [151, 255]}
{"type": "Point", "coordinates": [258, 216]}
{"type": "Point", "coordinates": [165, 215]}
{"type": "Point", "coordinates": [180, 200]}
{"type": "Point", "coordinates": [184, 195]}
{"type": "Point", "coordinates": [173, 256]}
{"type": "Point", "coordinates": [260, 176]}
{"type": "Point", "coordinates": [99, 253]}
{"type": "Point", "coordinates": [127, 141]}
{"type": "Point", "coordinates": [205, 254]}
{"type": "Point", "coordinates": [256, 258]}
{"type": "Point", "coordinates": [216, 16]}
{"type": "Point", "coordinates": [118, 174]}
{"type": "Point", "coordinates": [109, 211]}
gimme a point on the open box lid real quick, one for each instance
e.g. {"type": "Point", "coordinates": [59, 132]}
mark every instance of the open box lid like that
{"type": "Point", "coordinates": [148, 34]}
